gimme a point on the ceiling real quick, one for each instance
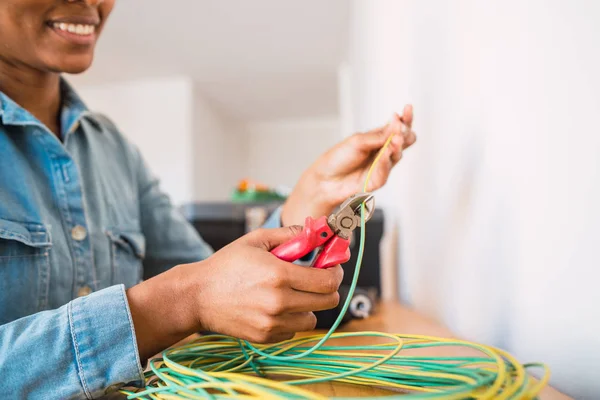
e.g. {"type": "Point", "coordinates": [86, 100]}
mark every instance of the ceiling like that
{"type": "Point", "coordinates": [254, 59]}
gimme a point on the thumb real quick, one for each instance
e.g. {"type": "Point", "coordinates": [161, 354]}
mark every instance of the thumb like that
{"type": "Point", "coordinates": [268, 239]}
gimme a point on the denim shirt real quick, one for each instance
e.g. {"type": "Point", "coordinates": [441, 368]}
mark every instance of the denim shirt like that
{"type": "Point", "coordinates": [81, 220]}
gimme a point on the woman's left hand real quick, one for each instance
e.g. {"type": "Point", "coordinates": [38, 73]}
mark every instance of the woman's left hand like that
{"type": "Point", "coordinates": [342, 170]}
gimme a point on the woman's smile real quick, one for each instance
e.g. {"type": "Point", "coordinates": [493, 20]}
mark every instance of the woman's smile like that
{"type": "Point", "coordinates": [77, 30]}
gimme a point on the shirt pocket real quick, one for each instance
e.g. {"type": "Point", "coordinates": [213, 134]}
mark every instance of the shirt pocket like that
{"type": "Point", "coordinates": [24, 269]}
{"type": "Point", "coordinates": [128, 249]}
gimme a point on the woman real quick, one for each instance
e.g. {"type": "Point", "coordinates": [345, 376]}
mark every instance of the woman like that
{"type": "Point", "coordinates": [83, 221]}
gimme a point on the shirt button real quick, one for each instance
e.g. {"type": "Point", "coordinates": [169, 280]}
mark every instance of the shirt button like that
{"type": "Point", "coordinates": [78, 233]}
{"type": "Point", "coordinates": [84, 291]}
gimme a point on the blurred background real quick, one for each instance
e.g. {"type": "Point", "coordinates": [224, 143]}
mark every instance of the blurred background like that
{"type": "Point", "coordinates": [492, 219]}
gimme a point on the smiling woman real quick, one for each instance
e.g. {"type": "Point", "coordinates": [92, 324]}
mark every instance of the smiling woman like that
{"type": "Point", "coordinates": [83, 221]}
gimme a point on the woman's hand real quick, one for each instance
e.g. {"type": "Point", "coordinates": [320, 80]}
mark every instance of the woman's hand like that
{"type": "Point", "coordinates": [341, 171]}
{"type": "Point", "coordinates": [242, 290]}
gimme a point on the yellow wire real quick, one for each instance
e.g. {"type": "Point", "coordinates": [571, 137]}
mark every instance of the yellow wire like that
{"type": "Point", "coordinates": [376, 161]}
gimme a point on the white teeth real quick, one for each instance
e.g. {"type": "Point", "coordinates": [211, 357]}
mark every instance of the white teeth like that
{"type": "Point", "coordinates": [77, 29]}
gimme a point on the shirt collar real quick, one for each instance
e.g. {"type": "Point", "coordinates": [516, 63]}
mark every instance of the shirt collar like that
{"type": "Point", "coordinates": [13, 114]}
{"type": "Point", "coordinates": [73, 109]}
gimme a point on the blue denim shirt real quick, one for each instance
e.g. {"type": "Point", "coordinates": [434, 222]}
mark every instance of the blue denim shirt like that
{"type": "Point", "coordinates": [80, 220]}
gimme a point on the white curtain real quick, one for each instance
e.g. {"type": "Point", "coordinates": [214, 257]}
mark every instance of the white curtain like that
{"type": "Point", "coordinates": [499, 201]}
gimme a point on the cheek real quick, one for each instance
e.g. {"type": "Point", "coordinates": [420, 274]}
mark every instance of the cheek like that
{"type": "Point", "coordinates": [15, 41]}
{"type": "Point", "coordinates": [105, 9]}
{"type": "Point", "coordinates": [21, 34]}
{"type": "Point", "coordinates": [20, 19]}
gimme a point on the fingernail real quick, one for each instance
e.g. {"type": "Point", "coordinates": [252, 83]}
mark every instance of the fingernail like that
{"type": "Point", "coordinates": [397, 140]}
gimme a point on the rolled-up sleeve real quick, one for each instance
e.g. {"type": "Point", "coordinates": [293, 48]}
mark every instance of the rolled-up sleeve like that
{"type": "Point", "coordinates": [84, 349]}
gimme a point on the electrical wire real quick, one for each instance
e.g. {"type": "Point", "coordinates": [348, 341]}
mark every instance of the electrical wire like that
{"type": "Point", "coordinates": [222, 367]}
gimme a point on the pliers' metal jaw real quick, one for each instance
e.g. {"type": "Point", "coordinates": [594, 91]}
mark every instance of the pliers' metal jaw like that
{"type": "Point", "coordinates": [345, 220]}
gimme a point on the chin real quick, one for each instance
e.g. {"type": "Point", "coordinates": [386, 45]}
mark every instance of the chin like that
{"type": "Point", "coordinates": [71, 64]}
{"type": "Point", "coordinates": [76, 69]}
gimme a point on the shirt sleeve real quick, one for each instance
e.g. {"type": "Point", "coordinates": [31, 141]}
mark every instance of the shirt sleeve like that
{"type": "Point", "coordinates": [84, 349]}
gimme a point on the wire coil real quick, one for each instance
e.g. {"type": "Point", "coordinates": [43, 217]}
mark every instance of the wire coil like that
{"type": "Point", "coordinates": [221, 367]}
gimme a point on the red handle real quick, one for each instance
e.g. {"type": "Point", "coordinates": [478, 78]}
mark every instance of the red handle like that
{"type": "Point", "coordinates": [315, 233]}
{"type": "Point", "coordinates": [336, 251]}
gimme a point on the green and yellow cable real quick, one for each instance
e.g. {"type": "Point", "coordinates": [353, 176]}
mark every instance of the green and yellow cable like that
{"type": "Point", "coordinates": [221, 367]}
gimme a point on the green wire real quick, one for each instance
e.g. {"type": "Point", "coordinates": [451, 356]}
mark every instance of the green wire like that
{"type": "Point", "coordinates": [340, 317]}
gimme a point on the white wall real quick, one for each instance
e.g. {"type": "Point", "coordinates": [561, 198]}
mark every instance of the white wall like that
{"type": "Point", "coordinates": [198, 152]}
{"type": "Point", "coordinates": [193, 149]}
{"type": "Point", "coordinates": [277, 152]}
{"type": "Point", "coordinates": [156, 115]}
{"type": "Point", "coordinates": [218, 151]}
{"type": "Point", "coordinates": [498, 201]}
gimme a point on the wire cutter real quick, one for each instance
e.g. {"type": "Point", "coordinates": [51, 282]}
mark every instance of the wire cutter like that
{"type": "Point", "coordinates": [331, 235]}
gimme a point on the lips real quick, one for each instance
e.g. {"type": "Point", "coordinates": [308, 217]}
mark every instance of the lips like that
{"type": "Point", "coordinates": [81, 30]}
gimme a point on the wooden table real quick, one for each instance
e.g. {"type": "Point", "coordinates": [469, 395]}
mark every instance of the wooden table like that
{"type": "Point", "coordinates": [392, 317]}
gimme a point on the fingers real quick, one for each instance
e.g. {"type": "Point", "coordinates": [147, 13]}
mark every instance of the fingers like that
{"type": "Point", "coordinates": [404, 136]}
{"type": "Point", "coordinates": [396, 128]}
{"type": "Point", "coordinates": [314, 280]}
{"type": "Point", "coordinates": [395, 159]}
{"type": "Point", "coordinates": [369, 141]}
{"type": "Point", "coordinates": [399, 127]}
{"type": "Point", "coordinates": [274, 338]}
{"type": "Point", "coordinates": [381, 173]}
{"type": "Point", "coordinates": [303, 301]}
{"type": "Point", "coordinates": [396, 151]}
{"type": "Point", "coordinates": [407, 118]}
{"type": "Point", "coordinates": [299, 322]}
{"type": "Point", "coordinates": [284, 301]}
{"type": "Point", "coordinates": [267, 329]}
{"type": "Point", "coordinates": [411, 138]}
{"type": "Point", "coordinates": [268, 239]}
{"type": "Point", "coordinates": [407, 115]}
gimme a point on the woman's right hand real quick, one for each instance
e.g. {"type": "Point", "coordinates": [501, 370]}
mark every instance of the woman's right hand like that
{"type": "Point", "coordinates": [242, 290]}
